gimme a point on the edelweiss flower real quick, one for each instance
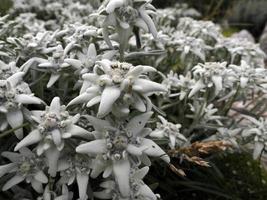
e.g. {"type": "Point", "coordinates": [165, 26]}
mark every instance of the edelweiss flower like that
{"type": "Point", "coordinates": [171, 83]}
{"type": "Point", "coordinates": [14, 93]}
{"type": "Point", "coordinates": [75, 167]}
{"type": "Point", "coordinates": [210, 74]}
{"type": "Point", "coordinates": [55, 65]}
{"type": "Point", "coordinates": [7, 70]}
{"type": "Point", "coordinates": [248, 76]}
{"type": "Point", "coordinates": [27, 167]}
{"type": "Point", "coordinates": [178, 86]}
{"type": "Point", "coordinates": [243, 49]}
{"type": "Point", "coordinates": [116, 86]}
{"type": "Point", "coordinates": [86, 60]}
{"type": "Point", "coordinates": [54, 125]}
{"type": "Point", "coordinates": [258, 130]}
{"type": "Point", "coordinates": [117, 144]}
{"type": "Point", "coordinates": [124, 15]}
{"type": "Point", "coordinates": [31, 45]}
{"type": "Point", "coordinates": [185, 83]}
{"type": "Point", "coordinates": [189, 46]}
{"type": "Point", "coordinates": [138, 189]}
{"type": "Point", "coordinates": [170, 130]}
{"type": "Point", "coordinates": [204, 113]}
{"type": "Point", "coordinates": [205, 30]}
{"type": "Point", "coordinates": [76, 34]}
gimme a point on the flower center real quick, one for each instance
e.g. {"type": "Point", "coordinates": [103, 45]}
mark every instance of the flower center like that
{"type": "Point", "coordinates": [127, 14]}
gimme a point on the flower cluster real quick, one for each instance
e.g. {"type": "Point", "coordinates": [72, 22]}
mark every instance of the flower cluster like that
{"type": "Point", "coordinates": [95, 94]}
{"type": "Point", "coordinates": [116, 87]}
{"type": "Point", "coordinates": [14, 93]}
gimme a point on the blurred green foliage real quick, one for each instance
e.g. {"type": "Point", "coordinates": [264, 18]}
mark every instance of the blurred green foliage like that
{"type": "Point", "coordinates": [231, 176]}
{"type": "Point", "coordinates": [4, 6]}
{"type": "Point", "coordinates": [240, 14]}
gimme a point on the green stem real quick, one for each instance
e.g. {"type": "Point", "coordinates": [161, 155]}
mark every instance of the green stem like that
{"type": "Point", "coordinates": [229, 104]}
{"type": "Point", "coordinates": [169, 105]}
{"type": "Point", "coordinates": [12, 130]}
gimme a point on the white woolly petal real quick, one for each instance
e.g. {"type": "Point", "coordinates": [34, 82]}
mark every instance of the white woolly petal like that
{"type": "Point", "coordinates": [137, 123]}
{"type": "Point", "coordinates": [82, 98]}
{"type": "Point", "coordinates": [145, 132]}
{"type": "Point", "coordinates": [15, 119]}
{"type": "Point", "coordinates": [47, 194]}
{"type": "Point", "coordinates": [46, 65]}
{"type": "Point", "coordinates": [82, 180]}
{"type": "Point", "coordinates": [98, 124]}
{"type": "Point", "coordinates": [109, 95]}
{"type": "Point", "coordinates": [75, 118]}
{"type": "Point", "coordinates": [105, 64]}
{"type": "Point", "coordinates": [36, 115]}
{"type": "Point", "coordinates": [55, 106]}
{"type": "Point", "coordinates": [243, 82]}
{"type": "Point", "coordinates": [139, 22]}
{"type": "Point", "coordinates": [139, 103]}
{"type": "Point", "coordinates": [135, 72]}
{"type": "Point", "coordinates": [91, 53]}
{"type": "Point", "coordinates": [157, 133]}
{"type": "Point", "coordinates": [68, 48]}
{"type": "Point", "coordinates": [73, 62]}
{"type": "Point", "coordinates": [149, 22]}
{"type": "Point", "coordinates": [147, 192]}
{"type": "Point", "coordinates": [27, 99]}
{"type": "Point", "coordinates": [52, 80]}
{"type": "Point", "coordinates": [105, 32]}
{"type": "Point", "coordinates": [37, 186]}
{"type": "Point", "coordinates": [71, 179]}
{"type": "Point", "coordinates": [6, 168]}
{"type": "Point", "coordinates": [52, 155]}
{"type": "Point", "coordinates": [198, 86]}
{"type": "Point", "coordinates": [13, 181]}
{"type": "Point", "coordinates": [120, 110]}
{"type": "Point", "coordinates": [121, 170]}
{"type": "Point", "coordinates": [113, 4]}
{"type": "Point", "coordinates": [32, 138]}
{"type": "Point", "coordinates": [94, 147]}
{"type": "Point", "coordinates": [147, 86]}
{"type": "Point", "coordinates": [134, 150]}
{"type": "Point", "coordinates": [63, 165]}
{"type": "Point", "coordinates": [109, 54]}
{"type": "Point", "coordinates": [25, 151]}
{"type": "Point", "coordinates": [93, 101]}
{"type": "Point", "coordinates": [141, 173]}
{"type": "Point", "coordinates": [15, 78]}
{"type": "Point", "coordinates": [56, 135]}
{"type": "Point", "coordinates": [258, 147]}
{"type": "Point", "coordinates": [172, 140]}
{"type": "Point", "coordinates": [107, 171]}
{"type": "Point", "coordinates": [78, 131]}
{"type": "Point", "coordinates": [217, 80]}
{"type": "Point", "coordinates": [3, 109]}
{"type": "Point", "coordinates": [152, 149]}
{"type": "Point", "coordinates": [98, 166]}
{"type": "Point", "coordinates": [41, 177]}
{"type": "Point", "coordinates": [91, 77]}
{"type": "Point", "coordinates": [13, 157]}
